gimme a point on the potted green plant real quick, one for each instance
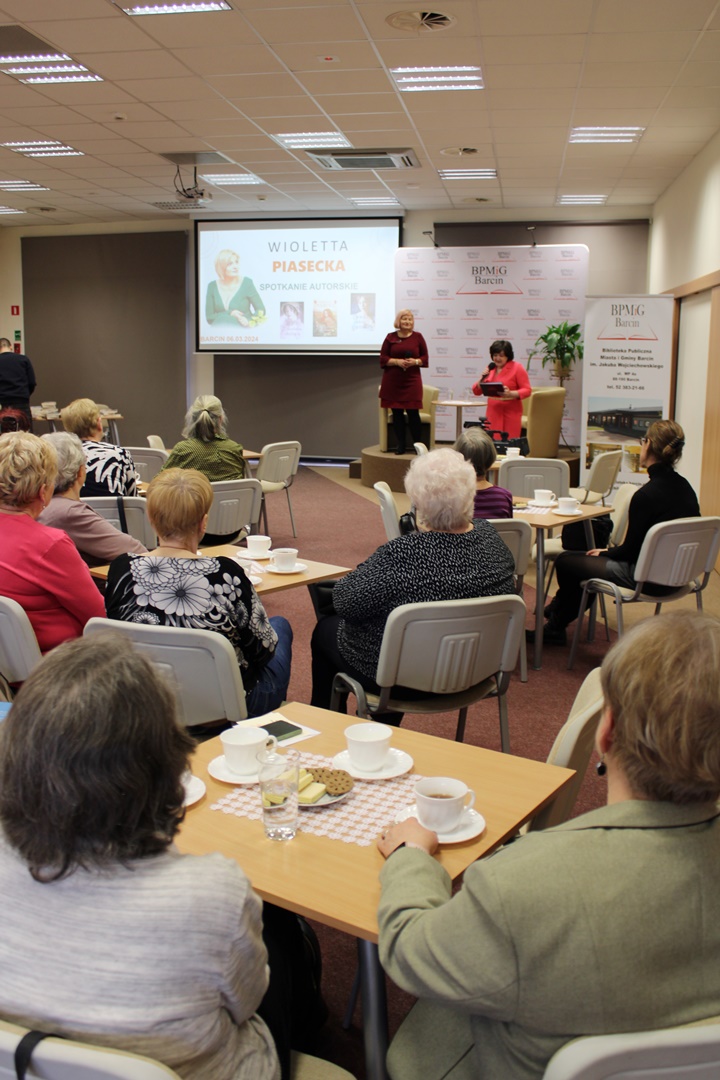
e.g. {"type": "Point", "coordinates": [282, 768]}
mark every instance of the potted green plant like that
{"type": "Point", "coordinates": [560, 346]}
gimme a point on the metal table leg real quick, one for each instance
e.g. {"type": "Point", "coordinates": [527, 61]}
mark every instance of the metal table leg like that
{"type": "Point", "coordinates": [374, 1008]}
{"type": "Point", "coordinates": [539, 598]}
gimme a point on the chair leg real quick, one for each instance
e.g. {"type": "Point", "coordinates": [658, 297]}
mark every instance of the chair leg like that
{"type": "Point", "coordinates": [504, 728]}
{"type": "Point", "coordinates": [578, 631]}
{"type": "Point", "coordinates": [263, 516]}
{"type": "Point", "coordinates": [523, 660]}
{"type": "Point", "coordinates": [292, 519]}
{"type": "Point", "coordinates": [603, 608]}
{"type": "Point", "coordinates": [460, 731]}
{"type": "Point", "coordinates": [592, 616]}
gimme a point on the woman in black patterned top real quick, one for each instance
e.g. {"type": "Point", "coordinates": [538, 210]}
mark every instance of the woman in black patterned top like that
{"type": "Point", "coordinates": [110, 469]}
{"type": "Point", "coordinates": [175, 585]}
{"type": "Point", "coordinates": [447, 559]}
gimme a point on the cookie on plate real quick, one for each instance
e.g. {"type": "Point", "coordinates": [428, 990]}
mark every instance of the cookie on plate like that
{"type": "Point", "coordinates": [337, 781]}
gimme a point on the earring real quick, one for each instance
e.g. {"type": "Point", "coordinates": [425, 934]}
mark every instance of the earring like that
{"type": "Point", "coordinates": [601, 767]}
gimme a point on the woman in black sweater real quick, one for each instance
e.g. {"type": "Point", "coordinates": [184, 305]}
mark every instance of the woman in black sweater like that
{"type": "Point", "coordinates": [665, 497]}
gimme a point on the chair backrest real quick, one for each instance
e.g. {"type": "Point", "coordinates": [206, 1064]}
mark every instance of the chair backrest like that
{"type": "Point", "coordinates": [148, 461]}
{"type": "Point", "coordinates": [135, 507]}
{"type": "Point", "coordinates": [278, 462]}
{"type": "Point", "coordinates": [544, 421]}
{"type": "Point", "coordinates": [236, 504]}
{"type": "Point", "coordinates": [388, 509]}
{"type": "Point", "coordinates": [64, 1059]}
{"type": "Point", "coordinates": [674, 553]}
{"type": "Point", "coordinates": [155, 442]}
{"type": "Point", "coordinates": [200, 665]}
{"type": "Point", "coordinates": [621, 506]}
{"type": "Point", "coordinates": [603, 472]}
{"type": "Point", "coordinates": [690, 1053]}
{"type": "Point", "coordinates": [572, 749]}
{"type": "Point", "coordinates": [521, 476]}
{"type": "Point", "coordinates": [430, 398]}
{"type": "Point", "coordinates": [516, 534]}
{"type": "Point", "coordinates": [19, 650]}
{"type": "Point", "coordinates": [447, 646]}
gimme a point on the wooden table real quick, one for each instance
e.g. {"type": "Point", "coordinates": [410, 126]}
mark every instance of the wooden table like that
{"type": "Point", "coordinates": [271, 583]}
{"type": "Point", "coordinates": [337, 883]}
{"type": "Point", "coordinates": [542, 521]}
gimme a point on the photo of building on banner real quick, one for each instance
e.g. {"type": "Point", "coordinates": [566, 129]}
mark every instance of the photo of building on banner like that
{"type": "Point", "coordinates": [626, 378]}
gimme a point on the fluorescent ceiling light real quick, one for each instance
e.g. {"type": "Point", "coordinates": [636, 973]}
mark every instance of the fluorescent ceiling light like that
{"type": "Point", "coordinates": [580, 200]}
{"type": "Point", "coordinates": [418, 79]}
{"type": "Point", "coordinates": [606, 134]}
{"type": "Point", "coordinates": [49, 58]}
{"type": "Point", "coordinates": [62, 78]}
{"type": "Point", "coordinates": [467, 174]}
{"type": "Point", "coordinates": [176, 9]}
{"type": "Point", "coordinates": [369, 203]}
{"type": "Point", "coordinates": [45, 69]}
{"type": "Point", "coordinates": [9, 210]}
{"type": "Point", "coordinates": [299, 140]}
{"type": "Point", "coordinates": [42, 148]}
{"type": "Point", "coordinates": [21, 185]}
{"type": "Point", "coordinates": [228, 179]}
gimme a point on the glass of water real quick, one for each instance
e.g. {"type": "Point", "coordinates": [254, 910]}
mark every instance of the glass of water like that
{"type": "Point", "coordinates": [278, 774]}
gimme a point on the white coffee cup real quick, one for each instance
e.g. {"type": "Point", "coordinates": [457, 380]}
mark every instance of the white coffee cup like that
{"type": "Point", "coordinates": [568, 506]}
{"type": "Point", "coordinates": [285, 558]}
{"type": "Point", "coordinates": [544, 497]}
{"type": "Point", "coordinates": [512, 451]}
{"type": "Point", "coordinates": [368, 745]}
{"type": "Point", "coordinates": [441, 801]}
{"type": "Point", "coordinates": [258, 545]}
{"type": "Point", "coordinates": [242, 745]}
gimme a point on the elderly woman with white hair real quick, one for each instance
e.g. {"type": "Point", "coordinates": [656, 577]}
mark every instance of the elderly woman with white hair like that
{"type": "Point", "coordinates": [446, 559]}
{"type": "Point", "coordinates": [95, 538]}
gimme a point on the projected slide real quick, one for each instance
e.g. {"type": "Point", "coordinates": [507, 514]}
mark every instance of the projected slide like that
{"type": "Point", "coordinates": [295, 286]}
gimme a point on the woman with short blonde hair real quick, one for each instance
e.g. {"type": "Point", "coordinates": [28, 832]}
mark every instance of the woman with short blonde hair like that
{"type": "Point", "coordinates": [40, 567]}
{"type": "Point", "coordinates": [110, 469]}
{"type": "Point", "coordinates": [95, 538]}
{"type": "Point", "coordinates": [402, 355]}
{"type": "Point", "coordinates": [179, 585]}
{"type": "Point", "coordinates": [607, 923]}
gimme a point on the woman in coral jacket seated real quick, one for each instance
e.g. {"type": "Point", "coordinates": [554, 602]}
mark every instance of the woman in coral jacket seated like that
{"type": "Point", "coordinates": [504, 413]}
{"type": "Point", "coordinates": [40, 567]}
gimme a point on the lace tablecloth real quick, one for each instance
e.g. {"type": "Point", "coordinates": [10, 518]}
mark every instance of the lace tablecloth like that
{"type": "Point", "coordinates": [356, 820]}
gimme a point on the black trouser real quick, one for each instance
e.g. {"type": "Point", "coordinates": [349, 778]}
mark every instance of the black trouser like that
{"type": "Point", "coordinates": [414, 422]}
{"type": "Point", "coordinates": [574, 567]}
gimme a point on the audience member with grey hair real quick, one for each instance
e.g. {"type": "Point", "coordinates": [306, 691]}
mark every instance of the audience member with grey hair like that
{"type": "Point", "coordinates": [205, 445]}
{"type": "Point", "coordinates": [446, 559]}
{"type": "Point", "coordinates": [478, 448]}
{"type": "Point", "coordinates": [95, 538]}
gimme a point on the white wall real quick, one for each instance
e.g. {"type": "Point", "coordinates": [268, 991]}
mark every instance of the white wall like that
{"type": "Point", "coordinates": [691, 381]}
{"type": "Point", "coordinates": [685, 233]}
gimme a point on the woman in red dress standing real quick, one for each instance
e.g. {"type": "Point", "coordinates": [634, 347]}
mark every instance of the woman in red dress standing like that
{"type": "Point", "coordinates": [504, 413]}
{"type": "Point", "coordinates": [402, 355]}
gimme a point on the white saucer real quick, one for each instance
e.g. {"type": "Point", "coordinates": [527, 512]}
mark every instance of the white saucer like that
{"type": "Point", "coordinates": [298, 568]}
{"type": "Point", "coordinates": [325, 800]}
{"type": "Point", "coordinates": [219, 771]}
{"type": "Point", "coordinates": [397, 764]}
{"type": "Point", "coordinates": [194, 790]}
{"type": "Point", "coordinates": [471, 825]}
{"type": "Point", "coordinates": [532, 505]}
{"type": "Point", "coordinates": [243, 553]}
{"type": "Point", "coordinates": [568, 513]}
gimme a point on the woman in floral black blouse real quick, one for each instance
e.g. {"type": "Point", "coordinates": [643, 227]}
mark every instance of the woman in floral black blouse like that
{"type": "Point", "coordinates": [175, 585]}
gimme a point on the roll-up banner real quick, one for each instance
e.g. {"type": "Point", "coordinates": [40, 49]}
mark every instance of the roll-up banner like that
{"type": "Point", "coordinates": [626, 377]}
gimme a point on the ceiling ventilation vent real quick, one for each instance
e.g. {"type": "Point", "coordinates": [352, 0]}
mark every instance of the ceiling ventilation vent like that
{"type": "Point", "coordinates": [203, 157]}
{"type": "Point", "coordinates": [367, 160]}
{"type": "Point", "coordinates": [187, 205]}
{"type": "Point", "coordinates": [420, 22]}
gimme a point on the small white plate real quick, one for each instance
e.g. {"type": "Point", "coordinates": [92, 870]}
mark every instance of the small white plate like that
{"type": "Point", "coordinates": [243, 553]}
{"type": "Point", "coordinates": [397, 764]}
{"type": "Point", "coordinates": [471, 825]}
{"type": "Point", "coordinates": [325, 800]}
{"type": "Point", "coordinates": [194, 790]}
{"type": "Point", "coordinates": [568, 513]}
{"type": "Point", "coordinates": [219, 771]}
{"type": "Point", "coordinates": [532, 505]}
{"type": "Point", "coordinates": [298, 568]}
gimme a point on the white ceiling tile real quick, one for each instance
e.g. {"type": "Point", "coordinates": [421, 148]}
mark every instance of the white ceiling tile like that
{"type": "Point", "coordinates": [629, 74]}
{"type": "Point", "coordinates": [530, 75]}
{"type": "Point", "coordinates": [645, 47]}
{"type": "Point", "coordinates": [88, 35]}
{"type": "Point", "coordinates": [638, 16]}
{"type": "Point", "coordinates": [527, 48]}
